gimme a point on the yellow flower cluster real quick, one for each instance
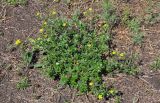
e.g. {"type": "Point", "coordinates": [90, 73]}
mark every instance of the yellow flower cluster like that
{"type": "Point", "coordinates": [119, 54]}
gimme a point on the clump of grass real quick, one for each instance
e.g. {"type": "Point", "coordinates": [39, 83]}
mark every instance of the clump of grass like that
{"type": "Point", "coordinates": [137, 35]}
{"type": "Point", "coordinates": [156, 64]}
{"type": "Point", "coordinates": [76, 52]}
{"type": "Point", "coordinates": [17, 2]}
{"type": "Point", "coordinates": [133, 24]}
{"type": "Point", "coordinates": [125, 18]}
{"type": "Point", "coordinates": [23, 83]}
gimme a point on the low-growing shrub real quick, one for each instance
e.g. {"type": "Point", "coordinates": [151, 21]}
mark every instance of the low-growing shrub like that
{"type": "Point", "coordinates": [78, 54]}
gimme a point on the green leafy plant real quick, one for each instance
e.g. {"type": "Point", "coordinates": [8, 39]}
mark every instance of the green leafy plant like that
{"type": "Point", "coordinates": [23, 83]}
{"type": "Point", "coordinates": [75, 52]}
{"type": "Point", "coordinates": [27, 57]}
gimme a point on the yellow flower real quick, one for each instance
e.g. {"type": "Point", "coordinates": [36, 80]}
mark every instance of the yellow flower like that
{"type": "Point", "coordinates": [121, 54]}
{"type": "Point", "coordinates": [106, 25]}
{"type": "Point", "coordinates": [45, 36]}
{"type": "Point", "coordinates": [18, 42]}
{"type": "Point", "coordinates": [64, 24]}
{"type": "Point", "coordinates": [91, 84]}
{"type": "Point", "coordinates": [39, 38]}
{"type": "Point", "coordinates": [100, 96]}
{"type": "Point", "coordinates": [41, 30]}
{"type": "Point", "coordinates": [56, 0]}
{"type": "Point", "coordinates": [89, 45]}
{"type": "Point", "coordinates": [114, 52]}
{"type": "Point", "coordinates": [45, 23]}
{"type": "Point", "coordinates": [38, 14]}
{"type": "Point", "coordinates": [77, 63]}
{"type": "Point", "coordinates": [111, 91]}
{"type": "Point", "coordinates": [90, 9]}
{"type": "Point", "coordinates": [54, 13]}
{"type": "Point", "coordinates": [84, 13]}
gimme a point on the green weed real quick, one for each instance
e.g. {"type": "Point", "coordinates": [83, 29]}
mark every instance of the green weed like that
{"type": "Point", "coordinates": [23, 83]}
{"type": "Point", "coordinates": [109, 14]}
{"type": "Point", "coordinates": [133, 24]}
{"type": "Point", "coordinates": [138, 38]}
{"type": "Point", "coordinates": [125, 18]}
{"type": "Point", "coordinates": [137, 35]}
{"type": "Point", "coordinates": [76, 52]}
{"type": "Point", "coordinates": [117, 99]}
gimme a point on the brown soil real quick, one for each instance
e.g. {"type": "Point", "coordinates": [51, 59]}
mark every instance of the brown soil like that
{"type": "Point", "coordinates": [20, 22]}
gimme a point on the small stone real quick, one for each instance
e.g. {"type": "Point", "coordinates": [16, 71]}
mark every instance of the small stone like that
{"type": "Point", "coordinates": [1, 33]}
{"type": "Point", "coordinates": [37, 85]}
{"type": "Point", "coordinates": [38, 96]}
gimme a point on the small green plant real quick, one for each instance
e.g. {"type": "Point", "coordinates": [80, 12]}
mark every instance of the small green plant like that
{"type": "Point", "coordinates": [109, 14]}
{"type": "Point", "coordinates": [75, 52]}
{"type": "Point", "coordinates": [156, 64]}
{"type": "Point", "coordinates": [125, 18]}
{"type": "Point", "coordinates": [27, 57]}
{"type": "Point", "coordinates": [23, 83]}
{"type": "Point", "coordinates": [137, 35]}
{"type": "Point", "coordinates": [117, 99]}
{"type": "Point", "coordinates": [17, 2]}
{"type": "Point", "coordinates": [138, 38]}
{"type": "Point", "coordinates": [133, 24]}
